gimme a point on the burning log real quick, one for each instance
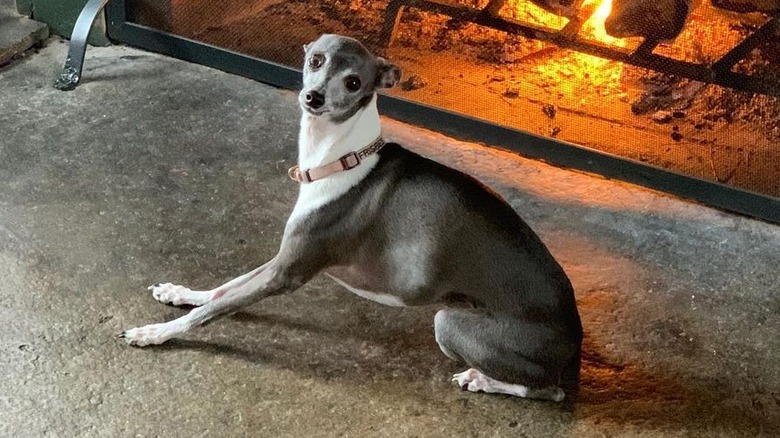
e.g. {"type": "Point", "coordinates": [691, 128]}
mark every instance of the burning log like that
{"type": "Point", "coordinates": [655, 20]}
{"type": "Point", "coordinates": [564, 8]}
{"type": "Point", "coordinates": [748, 5]}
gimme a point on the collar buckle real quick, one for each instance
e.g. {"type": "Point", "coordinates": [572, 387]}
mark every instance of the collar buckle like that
{"type": "Point", "coordinates": [350, 161]}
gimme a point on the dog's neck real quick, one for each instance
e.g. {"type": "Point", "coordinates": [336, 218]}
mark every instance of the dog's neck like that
{"type": "Point", "coordinates": [322, 141]}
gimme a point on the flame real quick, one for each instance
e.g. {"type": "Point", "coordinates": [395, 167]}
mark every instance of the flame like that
{"type": "Point", "coordinates": [572, 70]}
{"type": "Point", "coordinates": [594, 27]}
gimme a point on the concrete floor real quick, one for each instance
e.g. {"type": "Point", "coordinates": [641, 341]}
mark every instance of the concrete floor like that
{"type": "Point", "coordinates": [158, 170]}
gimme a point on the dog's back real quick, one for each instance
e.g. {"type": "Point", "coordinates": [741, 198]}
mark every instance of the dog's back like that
{"type": "Point", "coordinates": [451, 226]}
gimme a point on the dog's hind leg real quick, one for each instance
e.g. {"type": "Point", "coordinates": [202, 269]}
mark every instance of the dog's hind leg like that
{"type": "Point", "coordinates": [168, 293]}
{"type": "Point", "coordinates": [506, 354]}
{"type": "Point", "coordinates": [474, 380]}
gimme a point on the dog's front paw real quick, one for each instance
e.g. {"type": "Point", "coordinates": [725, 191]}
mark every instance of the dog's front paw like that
{"type": "Point", "coordinates": [152, 334]}
{"type": "Point", "coordinates": [168, 293]}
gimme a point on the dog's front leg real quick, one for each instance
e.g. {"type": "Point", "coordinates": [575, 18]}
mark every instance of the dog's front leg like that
{"type": "Point", "coordinates": [276, 278]}
{"type": "Point", "coordinates": [169, 293]}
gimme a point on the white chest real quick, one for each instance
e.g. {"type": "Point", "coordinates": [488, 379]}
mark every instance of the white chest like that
{"type": "Point", "coordinates": [320, 142]}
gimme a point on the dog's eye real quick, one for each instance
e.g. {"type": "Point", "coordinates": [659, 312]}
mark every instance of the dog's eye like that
{"type": "Point", "coordinates": [352, 83]}
{"type": "Point", "coordinates": [316, 61]}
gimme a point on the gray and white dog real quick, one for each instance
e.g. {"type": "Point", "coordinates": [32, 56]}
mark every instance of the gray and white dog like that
{"type": "Point", "coordinates": [403, 230]}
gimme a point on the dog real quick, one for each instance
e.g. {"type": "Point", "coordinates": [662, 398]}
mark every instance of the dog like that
{"type": "Point", "coordinates": [402, 230]}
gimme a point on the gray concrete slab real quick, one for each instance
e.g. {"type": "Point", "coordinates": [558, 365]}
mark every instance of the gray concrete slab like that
{"type": "Point", "coordinates": [17, 33]}
{"type": "Point", "coordinates": [158, 170]}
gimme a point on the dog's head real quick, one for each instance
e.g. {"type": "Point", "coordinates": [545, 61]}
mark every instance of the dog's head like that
{"type": "Point", "coordinates": [340, 77]}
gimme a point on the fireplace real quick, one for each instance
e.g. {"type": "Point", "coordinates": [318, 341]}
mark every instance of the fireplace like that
{"type": "Point", "coordinates": [678, 95]}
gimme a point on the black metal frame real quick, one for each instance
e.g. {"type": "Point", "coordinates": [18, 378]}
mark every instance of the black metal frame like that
{"type": "Point", "coordinates": [719, 72]}
{"type": "Point", "coordinates": [550, 150]}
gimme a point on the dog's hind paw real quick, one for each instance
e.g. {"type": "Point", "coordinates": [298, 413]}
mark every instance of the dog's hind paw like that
{"type": "Point", "coordinates": [474, 380]}
{"type": "Point", "coordinates": [168, 293]}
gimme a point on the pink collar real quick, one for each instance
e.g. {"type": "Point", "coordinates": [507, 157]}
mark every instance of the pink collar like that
{"type": "Point", "coordinates": [347, 162]}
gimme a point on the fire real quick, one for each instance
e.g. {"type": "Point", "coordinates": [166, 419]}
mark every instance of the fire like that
{"type": "Point", "coordinates": [573, 69]}
{"type": "Point", "coordinates": [601, 72]}
{"type": "Point", "coordinates": [594, 27]}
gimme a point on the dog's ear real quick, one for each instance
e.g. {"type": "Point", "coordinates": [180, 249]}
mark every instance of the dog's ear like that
{"type": "Point", "coordinates": [387, 74]}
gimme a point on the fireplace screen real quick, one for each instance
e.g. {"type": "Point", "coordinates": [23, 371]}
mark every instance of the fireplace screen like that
{"type": "Point", "coordinates": [691, 86]}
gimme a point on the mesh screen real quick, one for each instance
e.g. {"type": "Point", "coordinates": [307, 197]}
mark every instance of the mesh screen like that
{"type": "Point", "coordinates": [709, 132]}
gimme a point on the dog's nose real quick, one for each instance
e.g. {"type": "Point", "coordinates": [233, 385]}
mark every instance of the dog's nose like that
{"type": "Point", "coordinates": [315, 99]}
